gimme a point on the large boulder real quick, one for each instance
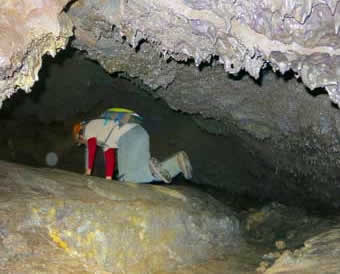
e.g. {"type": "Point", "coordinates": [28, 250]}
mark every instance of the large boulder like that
{"type": "Point", "coordinates": [96, 224]}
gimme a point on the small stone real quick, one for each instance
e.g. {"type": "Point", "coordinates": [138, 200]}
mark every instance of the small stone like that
{"type": "Point", "coordinates": [263, 267]}
{"type": "Point", "coordinates": [280, 245]}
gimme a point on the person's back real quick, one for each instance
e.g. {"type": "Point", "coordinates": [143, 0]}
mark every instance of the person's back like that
{"type": "Point", "coordinates": [107, 132]}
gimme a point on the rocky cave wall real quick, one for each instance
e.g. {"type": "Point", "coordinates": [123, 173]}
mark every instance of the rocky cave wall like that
{"type": "Point", "coordinates": [301, 36]}
{"type": "Point", "coordinates": [184, 50]}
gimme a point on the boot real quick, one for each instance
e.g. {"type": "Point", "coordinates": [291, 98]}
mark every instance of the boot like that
{"type": "Point", "coordinates": [178, 163]}
{"type": "Point", "coordinates": [159, 172]}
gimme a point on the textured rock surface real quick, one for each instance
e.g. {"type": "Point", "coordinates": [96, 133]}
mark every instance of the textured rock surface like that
{"type": "Point", "coordinates": [320, 255]}
{"type": "Point", "coordinates": [96, 33]}
{"type": "Point", "coordinates": [28, 30]}
{"type": "Point", "coordinates": [123, 228]}
{"type": "Point", "coordinates": [294, 133]}
{"type": "Point", "coordinates": [297, 35]}
{"type": "Point", "coordinates": [302, 243]}
{"type": "Point", "coordinates": [291, 226]}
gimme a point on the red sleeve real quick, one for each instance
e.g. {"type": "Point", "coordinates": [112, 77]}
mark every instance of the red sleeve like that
{"type": "Point", "coordinates": [91, 147]}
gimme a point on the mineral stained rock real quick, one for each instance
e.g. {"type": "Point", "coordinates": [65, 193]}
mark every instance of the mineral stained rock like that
{"type": "Point", "coordinates": [297, 35]}
{"type": "Point", "coordinates": [28, 30]}
{"type": "Point", "coordinates": [52, 216]}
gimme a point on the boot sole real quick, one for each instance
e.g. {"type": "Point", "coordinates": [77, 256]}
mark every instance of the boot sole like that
{"type": "Point", "coordinates": [184, 164]}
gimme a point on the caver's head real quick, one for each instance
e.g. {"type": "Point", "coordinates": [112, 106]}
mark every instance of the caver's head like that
{"type": "Point", "coordinates": [77, 133]}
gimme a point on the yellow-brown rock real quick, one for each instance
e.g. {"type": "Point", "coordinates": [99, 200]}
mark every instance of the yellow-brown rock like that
{"type": "Point", "coordinates": [48, 217]}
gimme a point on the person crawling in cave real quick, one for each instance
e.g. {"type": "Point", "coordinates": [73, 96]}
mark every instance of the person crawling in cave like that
{"type": "Point", "coordinates": [119, 132]}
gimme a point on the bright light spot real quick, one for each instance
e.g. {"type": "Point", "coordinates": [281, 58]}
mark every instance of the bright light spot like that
{"type": "Point", "coordinates": [51, 159]}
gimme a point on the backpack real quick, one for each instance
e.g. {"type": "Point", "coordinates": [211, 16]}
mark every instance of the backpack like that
{"type": "Point", "coordinates": [121, 116]}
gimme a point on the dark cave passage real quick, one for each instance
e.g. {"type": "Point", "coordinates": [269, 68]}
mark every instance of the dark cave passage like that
{"type": "Point", "coordinates": [72, 89]}
{"type": "Point", "coordinates": [36, 131]}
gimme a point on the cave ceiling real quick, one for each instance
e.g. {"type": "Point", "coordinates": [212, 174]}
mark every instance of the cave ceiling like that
{"type": "Point", "coordinates": [301, 36]}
